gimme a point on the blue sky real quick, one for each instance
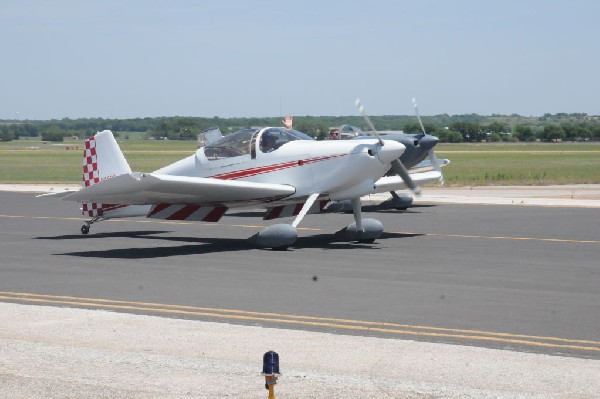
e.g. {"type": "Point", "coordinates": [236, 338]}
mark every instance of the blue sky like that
{"type": "Point", "coordinates": [226, 58]}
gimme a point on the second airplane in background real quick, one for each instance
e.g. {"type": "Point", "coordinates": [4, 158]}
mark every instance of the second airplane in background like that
{"type": "Point", "coordinates": [419, 147]}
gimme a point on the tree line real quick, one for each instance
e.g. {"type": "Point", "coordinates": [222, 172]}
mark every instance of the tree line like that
{"type": "Point", "coordinates": [453, 129]}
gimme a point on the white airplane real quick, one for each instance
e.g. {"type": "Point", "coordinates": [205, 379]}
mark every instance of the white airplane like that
{"type": "Point", "coordinates": [282, 170]}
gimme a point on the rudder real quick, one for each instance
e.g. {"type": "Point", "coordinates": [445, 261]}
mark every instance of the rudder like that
{"type": "Point", "coordinates": [102, 159]}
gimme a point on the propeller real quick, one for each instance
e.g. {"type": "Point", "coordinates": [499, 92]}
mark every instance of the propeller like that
{"type": "Point", "coordinates": [397, 166]}
{"type": "Point", "coordinates": [361, 109]}
{"type": "Point", "coordinates": [416, 106]}
{"type": "Point", "coordinates": [431, 153]}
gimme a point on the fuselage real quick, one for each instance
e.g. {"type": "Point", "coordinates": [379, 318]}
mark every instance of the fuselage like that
{"type": "Point", "coordinates": [325, 167]}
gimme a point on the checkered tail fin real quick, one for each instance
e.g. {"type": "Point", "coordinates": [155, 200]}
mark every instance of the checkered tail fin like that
{"type": "Point", "coordinates": [102, 159]}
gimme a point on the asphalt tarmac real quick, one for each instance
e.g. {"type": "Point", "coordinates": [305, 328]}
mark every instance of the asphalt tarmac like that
{"type": "Point", "coordinates": [523, 278]}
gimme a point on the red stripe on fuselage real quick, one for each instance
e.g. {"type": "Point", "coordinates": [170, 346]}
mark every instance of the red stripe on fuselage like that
{"type": "Point", "coordinates": [239, 174]}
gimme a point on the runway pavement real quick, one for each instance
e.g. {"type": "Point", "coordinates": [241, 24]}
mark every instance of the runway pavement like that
{"type": "Point", "coordinates": [574, 195]}
{"type": "Point", "coordinates": [510, 287]}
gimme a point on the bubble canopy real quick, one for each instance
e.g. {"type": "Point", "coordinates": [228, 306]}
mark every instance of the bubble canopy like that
{"type": "Point", "coordinates": [241, 142]}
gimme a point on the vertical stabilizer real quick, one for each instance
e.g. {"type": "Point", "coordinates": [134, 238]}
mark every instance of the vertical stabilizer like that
{"type": "Point", "coordinates": [102, 159]}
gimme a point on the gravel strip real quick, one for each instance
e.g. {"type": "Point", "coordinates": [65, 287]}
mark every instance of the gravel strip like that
{"type": "Point", "coordinates": [49, 352]}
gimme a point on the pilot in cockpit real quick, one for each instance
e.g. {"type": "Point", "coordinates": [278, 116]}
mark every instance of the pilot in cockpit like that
{"type": "Point", "coordinates": [268, 142]}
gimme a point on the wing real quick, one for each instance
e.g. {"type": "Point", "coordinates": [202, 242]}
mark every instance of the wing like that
{"type": "Point", "coordinates": [393, 183]}
{"type": "Point", "coordinates": [153, 188]}
{"type": "Point", "coordinates": [426, 164]}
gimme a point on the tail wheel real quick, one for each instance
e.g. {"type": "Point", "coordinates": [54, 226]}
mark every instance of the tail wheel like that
{"type": "Point", "coordinates": [85, 229]}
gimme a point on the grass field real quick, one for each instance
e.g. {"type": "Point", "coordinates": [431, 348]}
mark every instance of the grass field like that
{"type": "Point", "coordinates": [32, 161]}
{"type": "Point", "coordinates": [521, 164]}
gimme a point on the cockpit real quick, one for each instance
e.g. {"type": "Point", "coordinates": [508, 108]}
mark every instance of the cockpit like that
{"type": "Point", "coordinates": [244, 141]}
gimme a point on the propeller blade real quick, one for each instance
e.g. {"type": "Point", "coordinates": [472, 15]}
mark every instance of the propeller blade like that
{"type": "Point", "coordinates": [403, 173]}
{"type": "Point", "coordinates": [361, 109]}
{"type": "Point", "coordinates": [414, 101]}
{"type": "Point", "coordinates": [434, 161]}
{"type": "Point", "coordinates": [436, 165]}
{"type": "Point", "coordinates": [432, 157]}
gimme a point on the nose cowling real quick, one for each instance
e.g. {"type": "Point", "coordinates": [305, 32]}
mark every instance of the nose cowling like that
{"type": "Point", "coordinates": [428, 142]}
{"type": "Point", "coordinates": [390, 150]}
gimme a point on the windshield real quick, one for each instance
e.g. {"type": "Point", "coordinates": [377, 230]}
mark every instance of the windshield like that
{"type": "Point", "coordinates": [298, 135]}
{"type": "Point", "coordinates": [275, 137]}
{"type": "Point", "coordinates": [232, 145]}
{"type": "Point", "coordinates": [242, 141]}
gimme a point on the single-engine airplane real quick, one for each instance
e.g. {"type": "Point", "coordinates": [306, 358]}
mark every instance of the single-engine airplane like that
{"type": "Point", "coordinates": [282, 170]}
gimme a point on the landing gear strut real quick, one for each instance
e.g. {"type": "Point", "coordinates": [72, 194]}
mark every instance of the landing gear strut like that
{"type": "Point", "coordinates": [362, 230]}
{"type": "Point", "coordinates": [86, 227]}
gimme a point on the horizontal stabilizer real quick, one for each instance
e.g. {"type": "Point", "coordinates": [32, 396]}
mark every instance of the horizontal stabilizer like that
{"type": "Point", "coordinates": [151, 188]}
{"type": "Point", "coordinates": [58, 194]}
{"type": "Point", "coordinates": [428, 165]}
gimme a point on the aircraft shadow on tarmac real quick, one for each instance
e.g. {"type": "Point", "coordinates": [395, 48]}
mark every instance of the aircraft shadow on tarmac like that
{"type": "Point", "coordinates": [379, 209]}
{"type": "Point", "coordinates": [114, 234]}
{"type": "Point", "coordinates": [333, 241]}
{"type": "Point", "coordinates": [207, 245]}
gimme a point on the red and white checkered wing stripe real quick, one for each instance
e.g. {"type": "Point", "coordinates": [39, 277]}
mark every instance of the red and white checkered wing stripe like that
{"type": "Point", "coordinates": [283, 211]}
{"type": "Point", "coordinates": [187, 212]}
{"type": "Point", "coordinates": [90, 177]}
